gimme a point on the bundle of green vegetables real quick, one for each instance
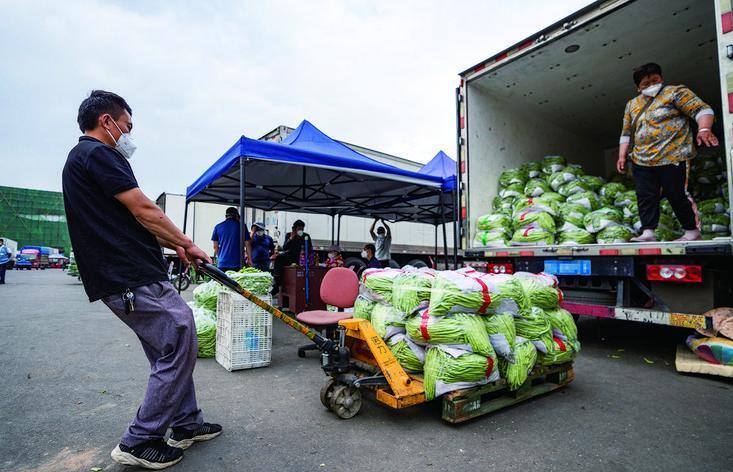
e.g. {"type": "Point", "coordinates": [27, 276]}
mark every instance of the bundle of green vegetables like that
{"type": "Point", "coordinates": [573, 187]}
{"type": "Point", "coordinates": [597, 220]}
{"type": "Point", "coordinates": [503, 205]}
{"type": "Point", "coordinates": [387, 320]}
{"type": "Point", "coordinates": [516, 371]}
{"type": "Point", "coordinates": [587, 199]}
{"type": "Point", "coordinates": [447, 369]}
{"type": "Point", "coordinates": [715, 223]}
{"type": "Point", "coordinates": [502, 332]}
{"type": "Point", "coordinates": [253, 280]}
{"type": "Point", "coordinates": [550, 197]}
{"type": "Point", "coordinates": [205, 295]}
{"type": "Point", "coordinates": [532, 219]}
{"type": "Point", "coordinates": [540, 294]}
{"type": "Point", "coordinates": [458, 330]}
{"type": "Point", "coordinates": [610, 192]}
{"type": "Point", "coordinates": [363, 308]}
{"type": "Point", "coordinates": [558, 352]}
{"type": "Point", "coordinates": [410, 356]}
{"type": "Point", "coordinates": [615, 234]}
{"type": "Point", "coordinates": [558, 179]}
{"type": "Point", "coordinates": [513, 190]}
{"type": "Point", "coordinates": [474, 292]}
{"type": "Point", "coordinates": [563, 325]}
{"type": "Point", "coordinates": [570, 237]}
{"type": "Point", "coordinates": [713, 205]}
{"type": "Point", "coordinates": [532, 237]}
{"type": "Point", "coordinates": [513, 176]}
{"type": "Point", "coordinates": [536, 187]}
{"type": "Point", "coordinates": [626, 198]}
{"type": "Point", "coordinates": [573, 213]}
{"type": "Point", "coordinates": [379, 283]}
{"type": "Point", "coordinates": [533, 169]}
{"type": "Point", "coordinates": [552, 164]}
{"type": "Point", "coordinates": [594, 183]}
{"type": "Point", "coordinates": [493, 221]}
{"type": "Point", "coordinates": [412, 288]}
{"type": "Point", "coordinates": [534, 325]}
{"type": "Point", "coordinates": [663, 233]}
{"type": "Point", "coordinates": [205, 322]}
{"type": "Point", "coordinates": [492, 238]}
{"type": "Point", "coordinates": [536, 205]}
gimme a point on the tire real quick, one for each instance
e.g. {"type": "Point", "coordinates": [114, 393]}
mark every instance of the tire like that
{"type": "Point", "coordinates": [393, 264]}
{"type": "Point", "coordinates": [185, 283]}
{"type": "Point", "coordinates": [419, 263]}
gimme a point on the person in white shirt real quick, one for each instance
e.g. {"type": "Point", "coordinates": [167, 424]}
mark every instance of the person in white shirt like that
{"type": "Point", "coordinates": [382, 241]}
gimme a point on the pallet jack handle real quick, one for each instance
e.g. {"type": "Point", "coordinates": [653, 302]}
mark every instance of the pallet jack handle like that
{"type": "Point", "coordinates": [325, 345]}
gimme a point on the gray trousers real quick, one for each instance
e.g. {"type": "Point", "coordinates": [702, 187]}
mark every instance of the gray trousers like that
{"type": "Point", "coordinates": [164, 324]}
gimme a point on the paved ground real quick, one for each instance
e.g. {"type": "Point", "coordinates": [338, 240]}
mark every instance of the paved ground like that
{"type": "Point", "coordinates": [72, 375]}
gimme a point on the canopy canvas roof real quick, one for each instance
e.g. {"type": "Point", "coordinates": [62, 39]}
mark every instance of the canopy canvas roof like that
{"type": "Point", "coordinates": [310, 172]}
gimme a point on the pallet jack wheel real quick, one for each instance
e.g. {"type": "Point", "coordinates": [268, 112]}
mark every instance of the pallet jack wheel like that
{"type": "Point", "coordinates": [327, 391]}
{"type": "Point", "coordinates": [345, 401]}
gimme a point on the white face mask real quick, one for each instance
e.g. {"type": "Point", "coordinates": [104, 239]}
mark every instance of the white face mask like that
{"type": "Point", "coordinates": [260, 233]}
{"type": "Point", "coordinates": [332, 255]}
{"type": "Point", "coordinates": [300, 233]}
{"type": "Point", "coordinates": [652, 90]}
{"type": "Point", "coordinates": [125, 145]}
{"type": "Point", "coordinates": [363, 254]}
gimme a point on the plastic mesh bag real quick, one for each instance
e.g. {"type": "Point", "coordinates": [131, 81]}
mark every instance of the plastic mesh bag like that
{"type": "Point", "coordinates": [447, 369]}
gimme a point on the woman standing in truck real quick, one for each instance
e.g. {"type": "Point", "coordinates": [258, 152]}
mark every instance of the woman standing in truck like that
{"type": "Point", "coordinates": [657, 129]}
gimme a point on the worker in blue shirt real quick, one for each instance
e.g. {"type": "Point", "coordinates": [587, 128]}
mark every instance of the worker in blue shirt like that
{"type": "Point", "coordinates": [368, 253]}
{"type": "Point", "coordinates": [261, 247]}
{"type": "Point", "coordinates": [4, 259]}
{"type": "Point", "coordinates": [226, 241]}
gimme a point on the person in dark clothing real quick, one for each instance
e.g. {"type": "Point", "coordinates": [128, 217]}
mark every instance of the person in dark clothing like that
{"type": "Point", "coordinates": [295, 241]}
{"type": "Point", "coordinates": [369, 253]}
{"type": "Point", "coordinates": [117, 233]}
{"type": "Point", "coordinates": [5, 255]}
{"type": "Point", "coordinates": [261, 247]}
{"type": "Point", "coordinates": [226, 241]}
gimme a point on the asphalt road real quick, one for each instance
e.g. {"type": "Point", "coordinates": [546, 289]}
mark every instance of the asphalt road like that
{"type": "Point", "coordinates": [73, 374]}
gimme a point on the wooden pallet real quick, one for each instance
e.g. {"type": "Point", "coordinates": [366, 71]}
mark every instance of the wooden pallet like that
{"type": "Point", "coordinates": [463, 405]}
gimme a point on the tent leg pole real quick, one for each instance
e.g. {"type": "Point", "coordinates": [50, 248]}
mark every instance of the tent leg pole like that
{"type": "Point", "coordinates": [333, 228]}
{"type": "Point", "coordinates": [436, 246]}
{"type": "Point", "coordinates": [180, 262]}
{"type": "Point", "coordinates": [242, 224]}
{"type": "Point", "coordinates": [445, 236]}
{"type": "Point", "coordinates": [338, 231]}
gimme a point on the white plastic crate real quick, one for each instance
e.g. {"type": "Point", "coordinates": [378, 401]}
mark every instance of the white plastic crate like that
{"type": "Point", "coordinates": [243, 332]}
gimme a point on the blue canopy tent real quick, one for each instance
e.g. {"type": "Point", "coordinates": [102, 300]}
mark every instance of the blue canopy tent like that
{"type": "Point", "coordinates": [310, 172]}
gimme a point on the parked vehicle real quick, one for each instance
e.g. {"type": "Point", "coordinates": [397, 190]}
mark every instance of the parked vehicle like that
{"type": "Point", "coordinates": [33, 257]}
{"type": "Point", "coordinates": [563, 91]}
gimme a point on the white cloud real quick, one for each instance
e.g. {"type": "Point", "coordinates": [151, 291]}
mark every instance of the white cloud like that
{"type": "Point", "coordinates": [199, 74]}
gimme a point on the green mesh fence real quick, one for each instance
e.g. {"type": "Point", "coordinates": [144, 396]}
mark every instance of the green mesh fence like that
{"type": "Point", "coordinates": [34, 218]}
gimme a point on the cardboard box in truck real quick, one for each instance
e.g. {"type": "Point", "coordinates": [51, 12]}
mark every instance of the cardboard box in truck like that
{"type": "Point", "coordinates": [563, 92]}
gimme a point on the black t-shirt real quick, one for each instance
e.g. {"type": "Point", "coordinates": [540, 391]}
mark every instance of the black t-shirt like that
{"type": "Point", "coordinates": [292, 247]}
{"type": "Point", "coordinates": [112, 250]}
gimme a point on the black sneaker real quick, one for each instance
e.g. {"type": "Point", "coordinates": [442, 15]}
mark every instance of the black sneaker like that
{"type": "Point", "coordinates": [154, 454]}
{"type": "Point", "coordinates": [184, 438]}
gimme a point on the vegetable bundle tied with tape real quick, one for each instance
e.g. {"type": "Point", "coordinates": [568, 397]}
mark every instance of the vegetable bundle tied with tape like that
{"type": "Point", "coordinates": [460, 330]}
{"type": "Point", "coordinates": [410, 355]}
{"type": "Point", "coordinates": [516, 371]}
{"type": "Point", "coordinates": [411, 289]}
{"type": "Point", "coordinates": [447, 369]}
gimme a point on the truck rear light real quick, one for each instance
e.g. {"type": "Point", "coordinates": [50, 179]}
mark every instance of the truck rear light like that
{"type": "Point", "coordinates": [674, 273]}
{"type": "Point", "coordinates": [505, 268]}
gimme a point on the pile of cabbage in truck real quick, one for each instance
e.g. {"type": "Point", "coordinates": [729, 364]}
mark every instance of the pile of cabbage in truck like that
{"type": "Point", "coordinates": [553, 202]}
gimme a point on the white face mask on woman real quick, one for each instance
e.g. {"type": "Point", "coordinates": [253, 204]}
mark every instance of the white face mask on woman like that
{"type": "Point", "coordinates": [363, 254]}
{"type": "Point", "coordinates": [125, 144]}
{"type": "Point", "coordinates": [652, 90]}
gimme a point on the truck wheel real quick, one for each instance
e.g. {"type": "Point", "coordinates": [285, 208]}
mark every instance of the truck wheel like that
{"type": "Point", "coordinates": [419, 263]}
{"type": "Point", "coordinates": [393, 264]}
{"type": "Point", "coordinates": [355, 264]}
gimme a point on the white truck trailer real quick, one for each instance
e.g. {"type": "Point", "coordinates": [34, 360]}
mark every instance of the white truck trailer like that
{"type": "Point", "coordinates": [563, 91]}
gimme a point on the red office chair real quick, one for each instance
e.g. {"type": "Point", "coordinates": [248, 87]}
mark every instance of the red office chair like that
{"type": "Point", "coordinates": [339, 288]}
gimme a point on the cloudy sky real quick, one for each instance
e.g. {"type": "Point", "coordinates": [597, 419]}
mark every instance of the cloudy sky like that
{"type": "Point", "coordinates": [200, 74]}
